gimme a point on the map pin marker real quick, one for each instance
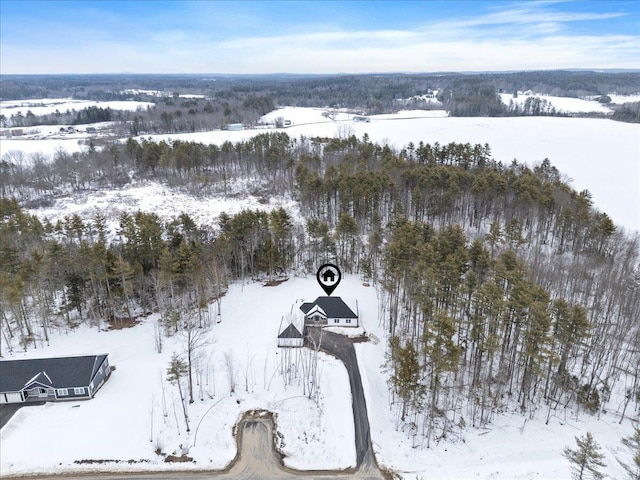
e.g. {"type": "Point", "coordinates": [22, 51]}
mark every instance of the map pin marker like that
{"type": "Point", "coordinates": [329, 277]}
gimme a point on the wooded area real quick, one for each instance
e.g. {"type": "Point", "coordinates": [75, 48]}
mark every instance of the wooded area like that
{"type": "Point", "coordinates": [214, 101]}
{"type": "Point", "coordinates": [500, 284]}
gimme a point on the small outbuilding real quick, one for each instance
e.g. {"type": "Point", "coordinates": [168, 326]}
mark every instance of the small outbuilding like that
{"type": "Point", "coordinates": [52, 379]}
{"type": "Point", "coordinates": [290, 337]}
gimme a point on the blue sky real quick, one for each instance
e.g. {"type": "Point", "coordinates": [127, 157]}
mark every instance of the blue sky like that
{"type": "Point", "coordinates": [315, 37]}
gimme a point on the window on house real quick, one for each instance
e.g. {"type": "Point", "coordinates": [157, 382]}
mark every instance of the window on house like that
{"type": "Point", "coordinates": [335, 320]}
{"type": "Point", "coordinates": [78, 391]}
{"type": "Point", "coordinates": [348, 320]}
{"type": "Point", "coordinates": [62, 392]}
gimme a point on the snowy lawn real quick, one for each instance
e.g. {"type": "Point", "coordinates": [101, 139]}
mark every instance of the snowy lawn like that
{"type": "Point", "coordinates": [125, 420]}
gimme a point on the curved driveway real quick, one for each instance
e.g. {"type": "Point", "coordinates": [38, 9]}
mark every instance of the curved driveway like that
{"type": "Point", "coordinates": [341, 347]}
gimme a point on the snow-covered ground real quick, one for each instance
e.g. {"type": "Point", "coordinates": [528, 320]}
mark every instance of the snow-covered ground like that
{"type": "Point", "coordinates": [599, 155]}
{"type": "Point", "coordinates": [164, 201]}
{"type": "Point", "coordinates": [513, 446]}
{"type": "Point", "coordinates": [45, 106]}
{"type": "Point", "coordinates": [117, 424]}
{"type": "Point", "coordinates": [561, 104]}
{"type": "Point", "coordinates": [44, 146]}
{"type": "Point", "coordinates": [125, 419]}
{"type": "Point", "coordinates": [305, 116]}
{"type": "Point", "coordinates": [619, 99]}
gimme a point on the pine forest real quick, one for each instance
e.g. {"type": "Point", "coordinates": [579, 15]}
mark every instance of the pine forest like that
{"type": "Point", "coordinates": [501, 288]}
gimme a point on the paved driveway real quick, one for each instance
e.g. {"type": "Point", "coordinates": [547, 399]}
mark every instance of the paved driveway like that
{"type": "Point", "coordinates": [341, 347]}
{"type": "Point", "coordinates": [7, 410]}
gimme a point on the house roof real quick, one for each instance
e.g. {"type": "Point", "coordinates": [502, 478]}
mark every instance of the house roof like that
{"type": "Point", "coordinates": [57, 372]}
{"type": "Point", "coordinates": [333, 307]}
{"type": "Point", "coordinates": [290, 332]}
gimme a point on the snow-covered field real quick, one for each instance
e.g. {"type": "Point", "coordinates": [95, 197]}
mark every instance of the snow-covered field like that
{"type": "Point", "coordinates": [599, 155]}
{"type": "Point", "coordinates": [44, 146]}
{"type": "Point", "coordinates": [561, 104]}
{"type": "Point", "coordinates": [619, 99]}
{"type": "Point", "coordinates": [45, 106]}
{"type": "Point", "coordinates": [125, 419]}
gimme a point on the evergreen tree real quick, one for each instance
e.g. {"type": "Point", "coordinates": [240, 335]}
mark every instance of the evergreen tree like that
{"type": "Point", "coordinates": [406, 376]}
{"type": "Point", "coordinates": [586, 459]}
{"type": "Point", "coordinates": [178, 368]}
{"type": "Point", "coordinates": [633, 444]}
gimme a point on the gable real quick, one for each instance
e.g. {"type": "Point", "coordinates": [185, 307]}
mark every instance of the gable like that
{"type": "Point", "coordinates": [330, 307]}
{"type": "Point", "coordinates": [316, 310]}
{"type": "Point", "coordinates": [290, 332]}
{"type": "Point", "coordinates": [57, 372]}
{"type": "Point", "coordinates": [41, 379]}
{"type": "Point", "coordinates": [305, 307]}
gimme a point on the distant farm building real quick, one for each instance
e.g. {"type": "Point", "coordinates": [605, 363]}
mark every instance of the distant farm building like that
{"type": "Point", "coordinates": [52, 379]}
{"type": "Point", "coordinates": [290, 337]}
{"type": "Point", "coordinates": [329, 311]}
{"type": "Point", "coordinates": [234, 127]}
{"type": "Point", "coordinates": [360, 119]}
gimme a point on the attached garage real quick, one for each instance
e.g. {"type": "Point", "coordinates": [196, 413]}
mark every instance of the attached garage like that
{"type": "Point", "coordinates": [11, 397]}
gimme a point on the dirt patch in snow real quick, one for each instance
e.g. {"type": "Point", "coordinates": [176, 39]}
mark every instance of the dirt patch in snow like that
{"type": "Point", "coordinates": [275, 283]}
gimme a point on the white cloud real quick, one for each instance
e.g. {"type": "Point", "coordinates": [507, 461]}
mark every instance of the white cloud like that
{"type": "Point", "coordinates": [519, 36]}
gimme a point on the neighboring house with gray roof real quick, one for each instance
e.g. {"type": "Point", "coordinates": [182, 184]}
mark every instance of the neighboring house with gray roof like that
{"type": "Point", "coordinates": [329, 311]}
{"type": "Point", "coordinates": [52, 379]}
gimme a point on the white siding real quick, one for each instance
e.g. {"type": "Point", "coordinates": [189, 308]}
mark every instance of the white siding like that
{"type": "Point", "coordinates": [290, 342]}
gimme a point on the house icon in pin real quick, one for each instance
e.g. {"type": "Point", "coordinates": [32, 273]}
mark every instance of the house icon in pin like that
{"type": "Point", "coordinates": [329, 276]}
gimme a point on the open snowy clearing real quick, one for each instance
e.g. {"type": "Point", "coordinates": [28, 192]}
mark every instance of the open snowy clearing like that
{"type": "Point", "coordinates": [125, 419]}
{"type": "Point", "coordinates": [619, 99]}
{"type": "Point", "coordinates": [599, 155]}
{"type": "Point", "coordinates": [561, 104]}
{"type": "Point", "coordinates": [166, 203]}
{"type": "Point", "coordinates": [45, 146]}
{"type": "Point", "coordinates": [45, 106]}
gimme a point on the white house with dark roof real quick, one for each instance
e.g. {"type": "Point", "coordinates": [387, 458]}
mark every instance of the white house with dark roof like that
{"type": "Point", "coordinates": [52, 379]}
{"type": "Point", "coordinates": [329, 311]}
